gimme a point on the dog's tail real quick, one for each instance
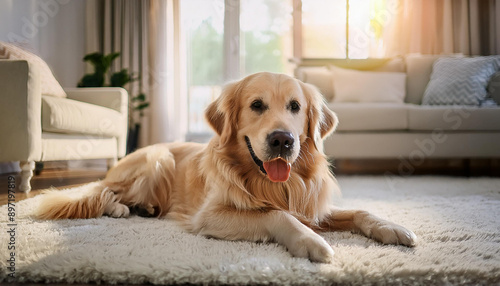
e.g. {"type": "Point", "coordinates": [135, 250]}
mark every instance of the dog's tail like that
{"type": "Point", "coordinates": [88, 201]}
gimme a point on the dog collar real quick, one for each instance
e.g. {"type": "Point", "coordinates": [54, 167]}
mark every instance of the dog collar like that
{"type": "Point", "coordinates": [254, 157]}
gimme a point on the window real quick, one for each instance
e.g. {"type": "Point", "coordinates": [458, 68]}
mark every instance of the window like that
{"type": "Point", "coordinates": [202, 28]}
{"type": "Point", "coordinates": [215, 53]}
{"type": "Point", "coordinates": [266, 43]}
{"type": "Point", "coordinates": [343, 28]}
{"type": "Point", "coordinates": [323, 29]}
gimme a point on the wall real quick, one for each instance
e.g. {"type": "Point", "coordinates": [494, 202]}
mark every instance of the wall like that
{"type": "Point", "coordinates": [53, 29]}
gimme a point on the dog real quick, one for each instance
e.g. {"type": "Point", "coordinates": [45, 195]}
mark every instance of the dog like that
{"type": "Point", "coordinates": [262, 177]}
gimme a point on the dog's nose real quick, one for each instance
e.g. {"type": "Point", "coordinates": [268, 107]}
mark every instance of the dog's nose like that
{"type": "Point", "coordinates": [280, 143]}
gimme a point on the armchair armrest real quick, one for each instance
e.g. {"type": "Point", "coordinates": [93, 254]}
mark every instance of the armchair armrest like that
{"type": "Point", "coordinates": [111, 97]}
{"type": "Point", "coordinates": [20, 111]}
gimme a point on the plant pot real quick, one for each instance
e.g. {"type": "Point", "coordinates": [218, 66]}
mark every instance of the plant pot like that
{"type": "Point", "coordinates": [133, 138]}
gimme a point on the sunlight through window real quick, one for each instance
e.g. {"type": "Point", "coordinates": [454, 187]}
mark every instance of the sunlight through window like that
{"type": "Point", "coordinates": [203, 28]}
{"type": "Point", "coordinates": [325, 23]}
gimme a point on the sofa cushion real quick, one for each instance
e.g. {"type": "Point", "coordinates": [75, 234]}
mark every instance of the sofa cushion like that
{"type": "Point", "coordinates": [453, 118]}
{"type": "Point", "coordinates": [321, 77]}
{"type": "Point", "coordinates": [49, 84]}
{"type": "Point", "coordinates": [371, 116]}
{"type": "Point", "coordinates": [368, 86]}
{"type": "Point", "coordinates": [70, 116]}
{"type": "Point", "coordinates": [460, 81]}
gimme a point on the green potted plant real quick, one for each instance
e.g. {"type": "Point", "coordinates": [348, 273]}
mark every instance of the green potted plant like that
{"type": "Point", "coordinates": [138, 103]}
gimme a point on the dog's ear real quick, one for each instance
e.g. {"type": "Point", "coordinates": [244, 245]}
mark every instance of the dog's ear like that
{"type": "Point", "coordinates": [322, 120]}
{"type": "Point", "coordinates": [222, 114]}
{"type": "Point", "coordinates": [215, 117]}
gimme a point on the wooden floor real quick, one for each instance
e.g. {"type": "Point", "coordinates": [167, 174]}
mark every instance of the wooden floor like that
{"type": "Point", "coordinates": [58, 178]}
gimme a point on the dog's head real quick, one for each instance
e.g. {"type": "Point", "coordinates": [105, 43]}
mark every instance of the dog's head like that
{"type": "Point", "coordinates": [271, 116]}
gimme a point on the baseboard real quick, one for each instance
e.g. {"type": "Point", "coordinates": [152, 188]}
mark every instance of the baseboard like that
{"type": "Point", "coordinates": [454, 167]}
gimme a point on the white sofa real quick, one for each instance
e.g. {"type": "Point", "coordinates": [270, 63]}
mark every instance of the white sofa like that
{"type": "Point", "coordinates": [408, 130]}
{"type": "Point", "coordinates": [91, 123]}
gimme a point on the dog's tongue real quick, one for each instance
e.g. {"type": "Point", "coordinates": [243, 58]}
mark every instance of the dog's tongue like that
{"type": "Point", "coordinates": [278, 170]}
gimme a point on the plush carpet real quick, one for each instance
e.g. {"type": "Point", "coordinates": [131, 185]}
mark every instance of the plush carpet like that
{"type": "Point", "coordinates": [457, 221]}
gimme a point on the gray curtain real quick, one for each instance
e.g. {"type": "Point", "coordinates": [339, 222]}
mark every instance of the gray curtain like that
{"type": "Point", "coordinates": [121, 26]}
{"type": "Point", "coordinates": [138, 30]}
{"type": "Point", "coordinates": [476, 26]}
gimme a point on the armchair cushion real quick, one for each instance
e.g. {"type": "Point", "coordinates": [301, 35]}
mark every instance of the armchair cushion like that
{"type": "Point", "coordinates": [63, 115]}
{"type": "Point", "coordinates": [50, 86]}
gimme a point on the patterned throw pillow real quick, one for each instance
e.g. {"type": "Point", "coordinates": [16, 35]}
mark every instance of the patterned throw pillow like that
{"type": "Point", "coordinates": [50, 86]}
{"type": "Point", "coordinates": [460, 81]}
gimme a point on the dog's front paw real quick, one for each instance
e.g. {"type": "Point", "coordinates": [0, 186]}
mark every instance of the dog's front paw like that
{"type": "Point", "coordinates": [117, 210]}
{"type": "Point", "coordinates": [384, 231]}
{"type": "Point", "coordinates": [391, 233]}
{"type": "Point", "coordinates": [312, 246]}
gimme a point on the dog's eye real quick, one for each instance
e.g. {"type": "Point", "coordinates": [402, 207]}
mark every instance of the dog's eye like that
{"type": "Point", "coordinates": [294, 106]}
{"type": "Point", "coordinates": [258, 106]}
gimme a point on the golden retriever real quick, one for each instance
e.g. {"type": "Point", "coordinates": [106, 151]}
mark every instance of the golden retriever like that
{"type": "Point", "coordinates": [263, 177]}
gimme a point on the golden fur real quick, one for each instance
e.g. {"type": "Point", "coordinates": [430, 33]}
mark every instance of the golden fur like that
{"type": "Point", "coordinates": [219, 190]}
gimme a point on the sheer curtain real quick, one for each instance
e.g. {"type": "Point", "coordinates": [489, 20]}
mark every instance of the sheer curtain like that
{"type": "Point", "coordinates": [140, 31]}
{"type": "Point", "coordinates": [471, 27]}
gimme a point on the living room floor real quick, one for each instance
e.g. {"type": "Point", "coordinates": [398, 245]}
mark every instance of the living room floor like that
{"type": "Point", "coordinates": [63, 177]}
{"type": "Point", "coordinates": [57, 177]}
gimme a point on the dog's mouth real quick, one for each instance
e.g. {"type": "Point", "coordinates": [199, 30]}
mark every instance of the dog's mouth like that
{"type": "Point", "coordinates": [276, 169]}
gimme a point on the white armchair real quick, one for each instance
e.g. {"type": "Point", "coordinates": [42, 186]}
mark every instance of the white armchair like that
{"type": "Point", "coordinates": [91, 123]}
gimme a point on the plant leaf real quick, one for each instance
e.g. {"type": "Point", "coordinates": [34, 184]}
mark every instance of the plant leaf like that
{"type": "Point", "coordinates": [140, 97]}
{"type": "Point", "coordinates": [142, 106]}
{"type": "Point", "coordinates": [119, 79]}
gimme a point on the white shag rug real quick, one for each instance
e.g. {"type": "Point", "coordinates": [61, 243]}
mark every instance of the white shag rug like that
{"type": "Point", "coordinates": [457, 221]}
